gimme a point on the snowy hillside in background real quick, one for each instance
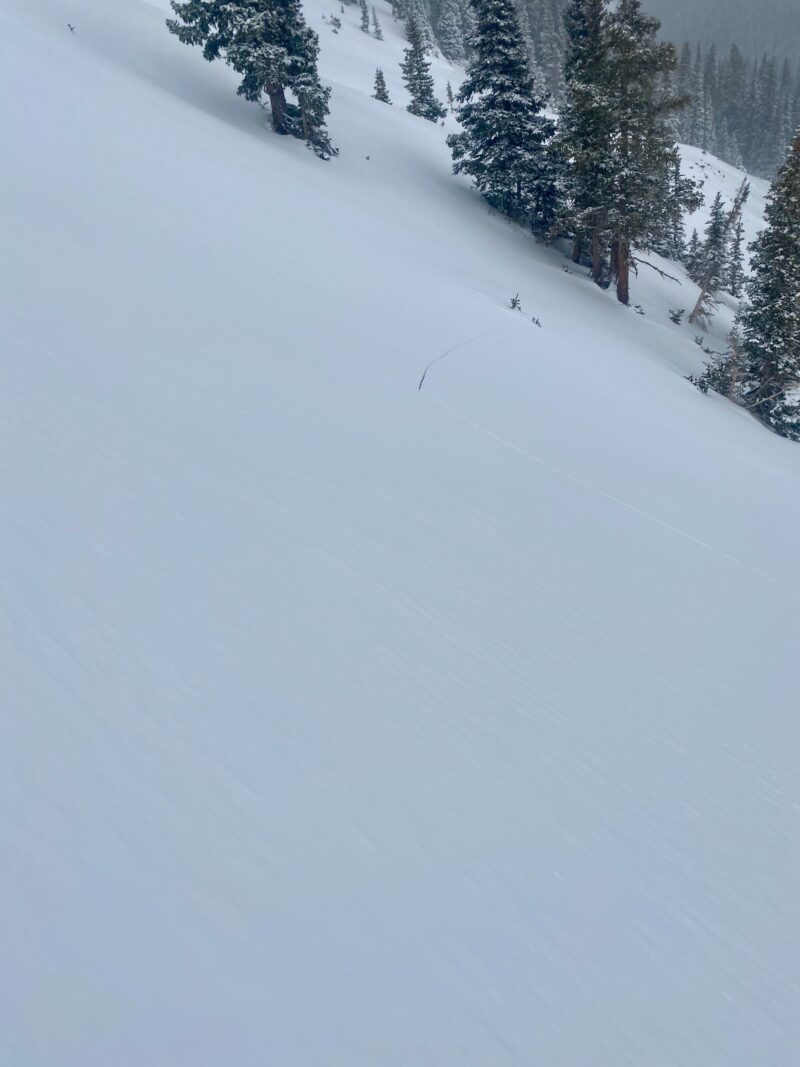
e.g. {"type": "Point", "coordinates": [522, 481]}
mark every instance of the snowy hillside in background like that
{"type": "Point", "coordinates": [714, 176]}
{"type": "Point", "coordinates": [345, 724]}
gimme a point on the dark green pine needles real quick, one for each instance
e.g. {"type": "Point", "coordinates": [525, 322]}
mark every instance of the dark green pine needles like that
{"type": "Point", "coordinates": [585, 129]}
{"type": "Point", "coordinates": [769, 325]}
{"type": "Point", "coordinates": [269, 44]}
{"type": "Point", "coordinates": [381, 92]}
{"type": "Point", "coordinates": [504, 144]}
{"type": "Point", "coordinates": [417, 74]}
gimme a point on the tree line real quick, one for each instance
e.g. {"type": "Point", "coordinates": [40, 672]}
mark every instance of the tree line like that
{"type": "Point", "coordinates": [771, 26]}
{"type": "Point", "coordinates": [760, 369]}
{"type": "Point", "coordinates": [743, 110]}
{"type": "Point", "coordinates": [607, 177]}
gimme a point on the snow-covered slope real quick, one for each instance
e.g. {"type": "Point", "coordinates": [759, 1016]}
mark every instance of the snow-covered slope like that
{"type": "Point", "coordinates": [715, 176]}
{"type": "Point", "coordinates": [346, 724]}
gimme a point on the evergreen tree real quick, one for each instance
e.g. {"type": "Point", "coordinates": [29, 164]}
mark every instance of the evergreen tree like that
{"type": "Point", "coordinates": [642, 152]}
{"type": "Point", "coordinates": [524, 20]}
{"type": "Point", "coordinates": [585, 130]}
{"type": "Point", "coordinates": [364, 16]}
{"type": "Point", "coordinates": [377, 32]}
{"type": "Point", "coordinates": [504, 142]}
{"type": "Point", "coordinates": [735, 156]}
{"type": "Point", "coordinates": [711, 79]}
{"type": "Point", "coordinates": [770, 324]}
{"type": "Point", "coordinates": [668, 90]}
{"type": "Point", "coordinates": [467, 22]}
{"type": "Point", "coordinates": [721, 139]}
{"type": "Point", "coordinates": [679, 195]}
{"type": "Point", "coordinates": [550, 46]}
{"type": "Point", "coordinates": [269, 44]}
{"type": "Point", "coordinates": [381, 92]}
{"type": "Point", "coordinates": [768, 152]}
{"type": "Point", "coordinates": [706, 133]}
{"type": "Point", "coordinates": [538, 76]}
{"type": "Point", "coordinates": [449, 32]}
{"type": "Point", "coordinates": [685, 85]}
{"type": "Point", "coordinates": [715, 248]}
{"type": "Point", "coordinates": [696, 120]}
{"type": "Point", "coordinates": [449, 95]}
{"type": "Point", "coordinates": [694, 257]}
{"type": "Point", "coordinates": [711, 261]}
{"type": "Point", "coordinates": [424, 30]}
{"type": "Point", "coordinates": [734, 275]}
{"type": "Point", "coordinates": [417, 75]}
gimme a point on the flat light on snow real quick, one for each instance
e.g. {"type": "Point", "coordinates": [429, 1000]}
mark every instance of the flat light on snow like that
{"type": "Point", "coordinates": [344, 724]}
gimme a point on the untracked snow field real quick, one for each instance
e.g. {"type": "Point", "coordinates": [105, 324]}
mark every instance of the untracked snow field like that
{"type": "Point", "coordinates": [343, 723]}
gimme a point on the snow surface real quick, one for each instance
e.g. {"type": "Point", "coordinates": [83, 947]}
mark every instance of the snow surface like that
{"type": "Point", "coordinates": [346, 724]}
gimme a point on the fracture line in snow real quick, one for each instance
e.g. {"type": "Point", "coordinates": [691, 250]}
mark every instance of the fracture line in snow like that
{"type": "Point", "coordinates": [608, 496]}
{"type": "Point", "coordinates": [460, 344]}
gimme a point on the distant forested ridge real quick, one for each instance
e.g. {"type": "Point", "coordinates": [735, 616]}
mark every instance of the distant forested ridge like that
{"type": "Point", "coordinates": [744, 111]}
{"type": "Point", "coordinates": [743, 85]}
{"type": "Point", "coordinates": [756, 26]}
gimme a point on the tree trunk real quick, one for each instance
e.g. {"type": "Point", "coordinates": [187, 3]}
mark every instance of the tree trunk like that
{"type": "Point", "coordinates": [623, 273]}
{"type": "Point", "coordinates": [577, 248]}
{"type": "Point", "coordinates": [277, 103]}
{"type": "Point", "coordinates": [597, 257]}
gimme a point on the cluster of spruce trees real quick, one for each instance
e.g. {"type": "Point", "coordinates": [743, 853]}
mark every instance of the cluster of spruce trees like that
{"type": "Point", "coordinates": [717, 262]}
{"type": "Point", "coordinates": [609, 178]}
{"type": "Point", "coordinates": [416, 71]}
{"type": "Point", "coordinates": [449, 26]}
{"type": "Point", "coordinates": [761, 369]}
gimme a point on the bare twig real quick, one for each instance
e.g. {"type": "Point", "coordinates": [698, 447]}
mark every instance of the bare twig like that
{"type": "Point", "coordinates": [658, 270]}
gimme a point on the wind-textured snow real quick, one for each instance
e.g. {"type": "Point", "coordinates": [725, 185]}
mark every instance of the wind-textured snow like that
{"type": "Point", "coordinates": [346, 724]}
